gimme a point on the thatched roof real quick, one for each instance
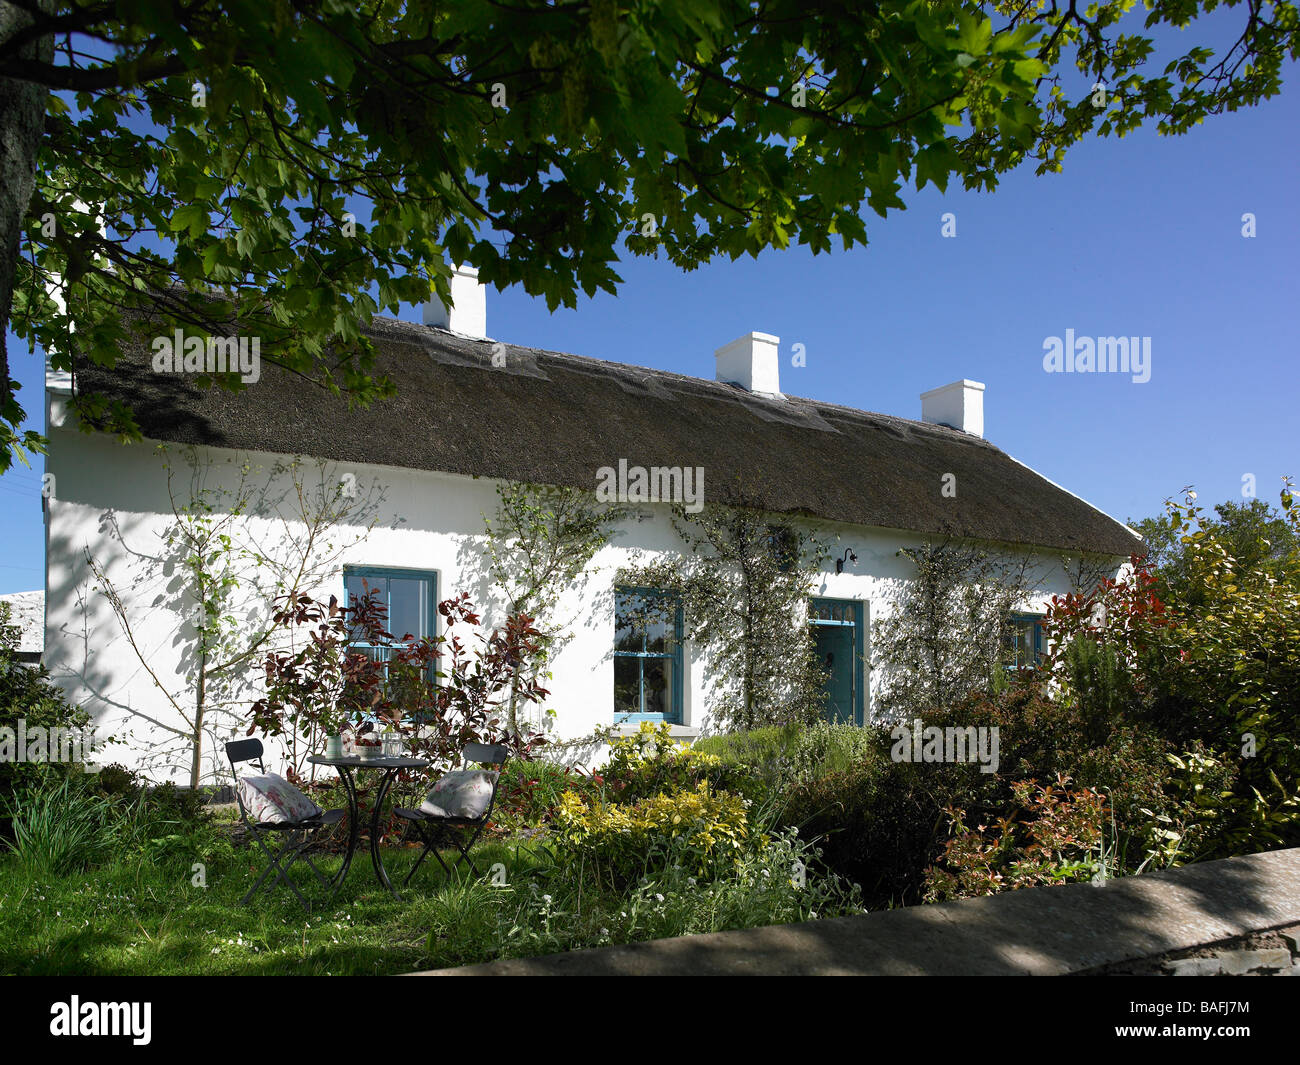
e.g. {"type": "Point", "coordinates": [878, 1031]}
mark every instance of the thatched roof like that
{"type": "Point", "coordinates": [552, 418]}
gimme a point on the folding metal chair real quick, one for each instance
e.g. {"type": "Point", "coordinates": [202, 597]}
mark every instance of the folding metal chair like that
{"type": "Point", "coordinates": [461, 832]}
{"type": "Point", "coordinates": [298, 835]}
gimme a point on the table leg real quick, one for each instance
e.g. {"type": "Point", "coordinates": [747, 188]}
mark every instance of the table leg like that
{"type": "Point", "coordinates": [354, 825]}
{"type": "Point", "coordinates": [375, 833]}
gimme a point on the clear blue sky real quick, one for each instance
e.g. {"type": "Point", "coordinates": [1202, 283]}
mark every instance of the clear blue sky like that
{"type": "Point", "coordinates": [1140, 236]}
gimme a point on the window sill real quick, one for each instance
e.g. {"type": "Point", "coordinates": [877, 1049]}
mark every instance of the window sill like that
{"type": "Point", "coordinates": [678, 732]}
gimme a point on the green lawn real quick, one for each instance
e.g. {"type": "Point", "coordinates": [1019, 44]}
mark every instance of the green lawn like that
{"type": "Point", "coordinates": [148, 918]}
{"type": "Point", "coordinates": [128, 917]}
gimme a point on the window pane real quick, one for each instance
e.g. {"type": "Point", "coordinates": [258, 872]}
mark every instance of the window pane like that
{"type": "Point", "coordinates": [644, 622]}
{"type": "Point", "coordinates": [1025, 640]}
{"type": "Point", "coordinates": [658, 686]}
{"type": "Point", "coordinates": [658, 634]}
{"type": "Point", "coordinates": [627, 637]}
{"type": "Point", "coordinates": [627, 686]}
{"type": "Point", "coordinates": [408, 607]}
{"type": "Point", "coordinates": [842, 611]}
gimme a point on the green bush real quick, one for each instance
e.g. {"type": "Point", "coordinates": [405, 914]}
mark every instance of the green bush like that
{"type": "Point", "coordinates": [882, 823]}
{"type": "Point", "coordinates": [529, 793]}
{"type": "Point", "coordinates": [563, 906]}
{"type": "Point", "coordinates": [702, 830]}
{"type": "Point", "coordinates": [764, 752]}
{"type": "Point", "coordinates": [650, 762]}
{"type": "Point", "coordinates": [27, 692]}
{"type": "Point", "coordinates": [65, 823]}
{"type": "Point", "coordinates": [1211, 640]}
{"type": "Point", "coordinates": [877, 822]}
{"type": "Point", "coordinates": [825, 748]}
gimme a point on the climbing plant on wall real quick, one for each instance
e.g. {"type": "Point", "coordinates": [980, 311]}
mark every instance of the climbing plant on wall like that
{"type": "Point", "coordinates": [539, 545]}
{"type": "Point", "coordinates": [946, 631]}
{"type": "Point", "coordinates": [743, 584]}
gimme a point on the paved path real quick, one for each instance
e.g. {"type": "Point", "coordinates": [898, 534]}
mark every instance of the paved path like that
{"type": "Point", "coordinates": [1038, 931]}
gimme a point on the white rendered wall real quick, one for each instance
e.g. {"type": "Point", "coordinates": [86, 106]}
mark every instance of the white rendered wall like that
{"type": "Point", "coordinates": [428, 521]}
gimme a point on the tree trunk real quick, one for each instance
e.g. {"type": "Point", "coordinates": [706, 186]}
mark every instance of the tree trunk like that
{"type": "Point", "coordinates": [196, 746]}
{"type": "Point", "coordinates": [22, 122]}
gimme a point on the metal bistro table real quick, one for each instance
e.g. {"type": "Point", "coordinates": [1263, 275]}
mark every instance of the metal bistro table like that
{"type": "Point", "coordinates": [391, 767]}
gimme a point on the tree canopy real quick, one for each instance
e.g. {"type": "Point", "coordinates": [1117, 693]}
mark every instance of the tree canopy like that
{"type": "Point", "coordinates": [288, 168]}
{"type": "Point", "coordinates": [1258, 536]}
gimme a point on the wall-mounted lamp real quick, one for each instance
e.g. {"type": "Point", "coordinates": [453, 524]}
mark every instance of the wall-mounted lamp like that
{"type": "Point", "coordinates": [849, 556]}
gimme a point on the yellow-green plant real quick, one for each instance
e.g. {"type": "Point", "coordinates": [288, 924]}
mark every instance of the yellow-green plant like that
{"type": "Point", "coordinates": [696, 828]}
{"type": "Point", "coordinates": [650, 762]}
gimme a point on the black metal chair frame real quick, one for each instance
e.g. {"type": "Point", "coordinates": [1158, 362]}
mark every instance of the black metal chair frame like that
{"type": "Point", "coordinates": [461, 832]}
{"type": "Point", "coordinates": [298, 835]}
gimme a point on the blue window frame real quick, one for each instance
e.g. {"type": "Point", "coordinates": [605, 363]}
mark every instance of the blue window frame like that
{"type": "Point", "coordinates": [647, 656]}
{"type": "Point", "coordinates": [1025, 641]}
{"type": "Point", "coordinates": [839, 638]}
{"type": "Point", "coordinates": [408, 595]}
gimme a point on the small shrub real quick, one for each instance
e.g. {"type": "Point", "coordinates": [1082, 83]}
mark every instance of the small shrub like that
{"type": "Point", "coordinates": [529, 792]}
{"type": "Point", "coordinates": [699, 829]}
{"type": "Point", "coordinates": [826, 748]}
{"type": "Point", "coordinates": [764, 752]}
{"type": "Point", "coordinates": [1054, 834]}
{"type": "Point", "coordinates": [650, 762]}
{"type": "Point", "coordinates": [27, 693]}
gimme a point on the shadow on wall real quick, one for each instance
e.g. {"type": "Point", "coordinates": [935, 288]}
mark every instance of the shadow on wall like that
{"type": "Point", "coordinates": [576, 616]}
{"type": "Point", "coordinates": [129, 616]}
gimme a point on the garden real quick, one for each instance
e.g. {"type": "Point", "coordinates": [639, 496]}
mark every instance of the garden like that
{"type": "Point", "coordinates": [1161, 726]}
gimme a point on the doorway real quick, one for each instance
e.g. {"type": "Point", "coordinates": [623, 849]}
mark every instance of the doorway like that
{"type": "Point", "coordinates": [838, 639]}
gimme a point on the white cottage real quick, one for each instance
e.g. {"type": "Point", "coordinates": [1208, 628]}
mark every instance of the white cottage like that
{"type": "Point", "coordinates": [472, 413]}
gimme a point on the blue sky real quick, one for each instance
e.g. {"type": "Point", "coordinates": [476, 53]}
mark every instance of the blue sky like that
{"type": "Point", "coordinates": [1138, 237]}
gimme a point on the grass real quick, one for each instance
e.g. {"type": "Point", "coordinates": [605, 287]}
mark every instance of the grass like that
{"type": "Point", "coordinates": [150, 918]}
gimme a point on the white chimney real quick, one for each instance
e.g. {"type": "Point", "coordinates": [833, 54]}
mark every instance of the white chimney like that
{"type": "Point", "coordinates": [959, 405]}
{"type": "Point", "coordinates": [752, 363]}
{"type": "Point", "coordinates": [468, 313]}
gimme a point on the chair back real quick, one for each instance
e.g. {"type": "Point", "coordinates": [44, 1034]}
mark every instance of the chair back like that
{"type": "Point", "coordinates": [485, 753]}
{"type": "Point", "coordinates": [249, 750]}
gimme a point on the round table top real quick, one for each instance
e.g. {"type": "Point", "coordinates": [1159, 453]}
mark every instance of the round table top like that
{"type": "Point", "coordinates": [370, 763]}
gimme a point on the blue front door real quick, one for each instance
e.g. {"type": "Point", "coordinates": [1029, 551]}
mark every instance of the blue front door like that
{"type": "Point", "coordinates": [837, 643]}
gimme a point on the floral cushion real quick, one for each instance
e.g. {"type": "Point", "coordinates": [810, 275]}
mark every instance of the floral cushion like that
{"type": "Point", "coordinates": [273, 800]}
{"type": "Point", "coordinates": [464, 793]}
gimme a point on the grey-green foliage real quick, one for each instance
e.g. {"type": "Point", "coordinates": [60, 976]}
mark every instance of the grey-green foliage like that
{"type": "Point", "coordinates": [825, 747]}
{"type": "Point", "coordinates": [945, 634]}
{"type": "Point", "coordinates": [792, 755]}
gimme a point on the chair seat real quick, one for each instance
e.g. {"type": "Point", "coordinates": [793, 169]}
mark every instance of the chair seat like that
{"type": "Point", "coordinates": [329, 817]}
{"type": "Point", "coordinates": [421, 815]}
